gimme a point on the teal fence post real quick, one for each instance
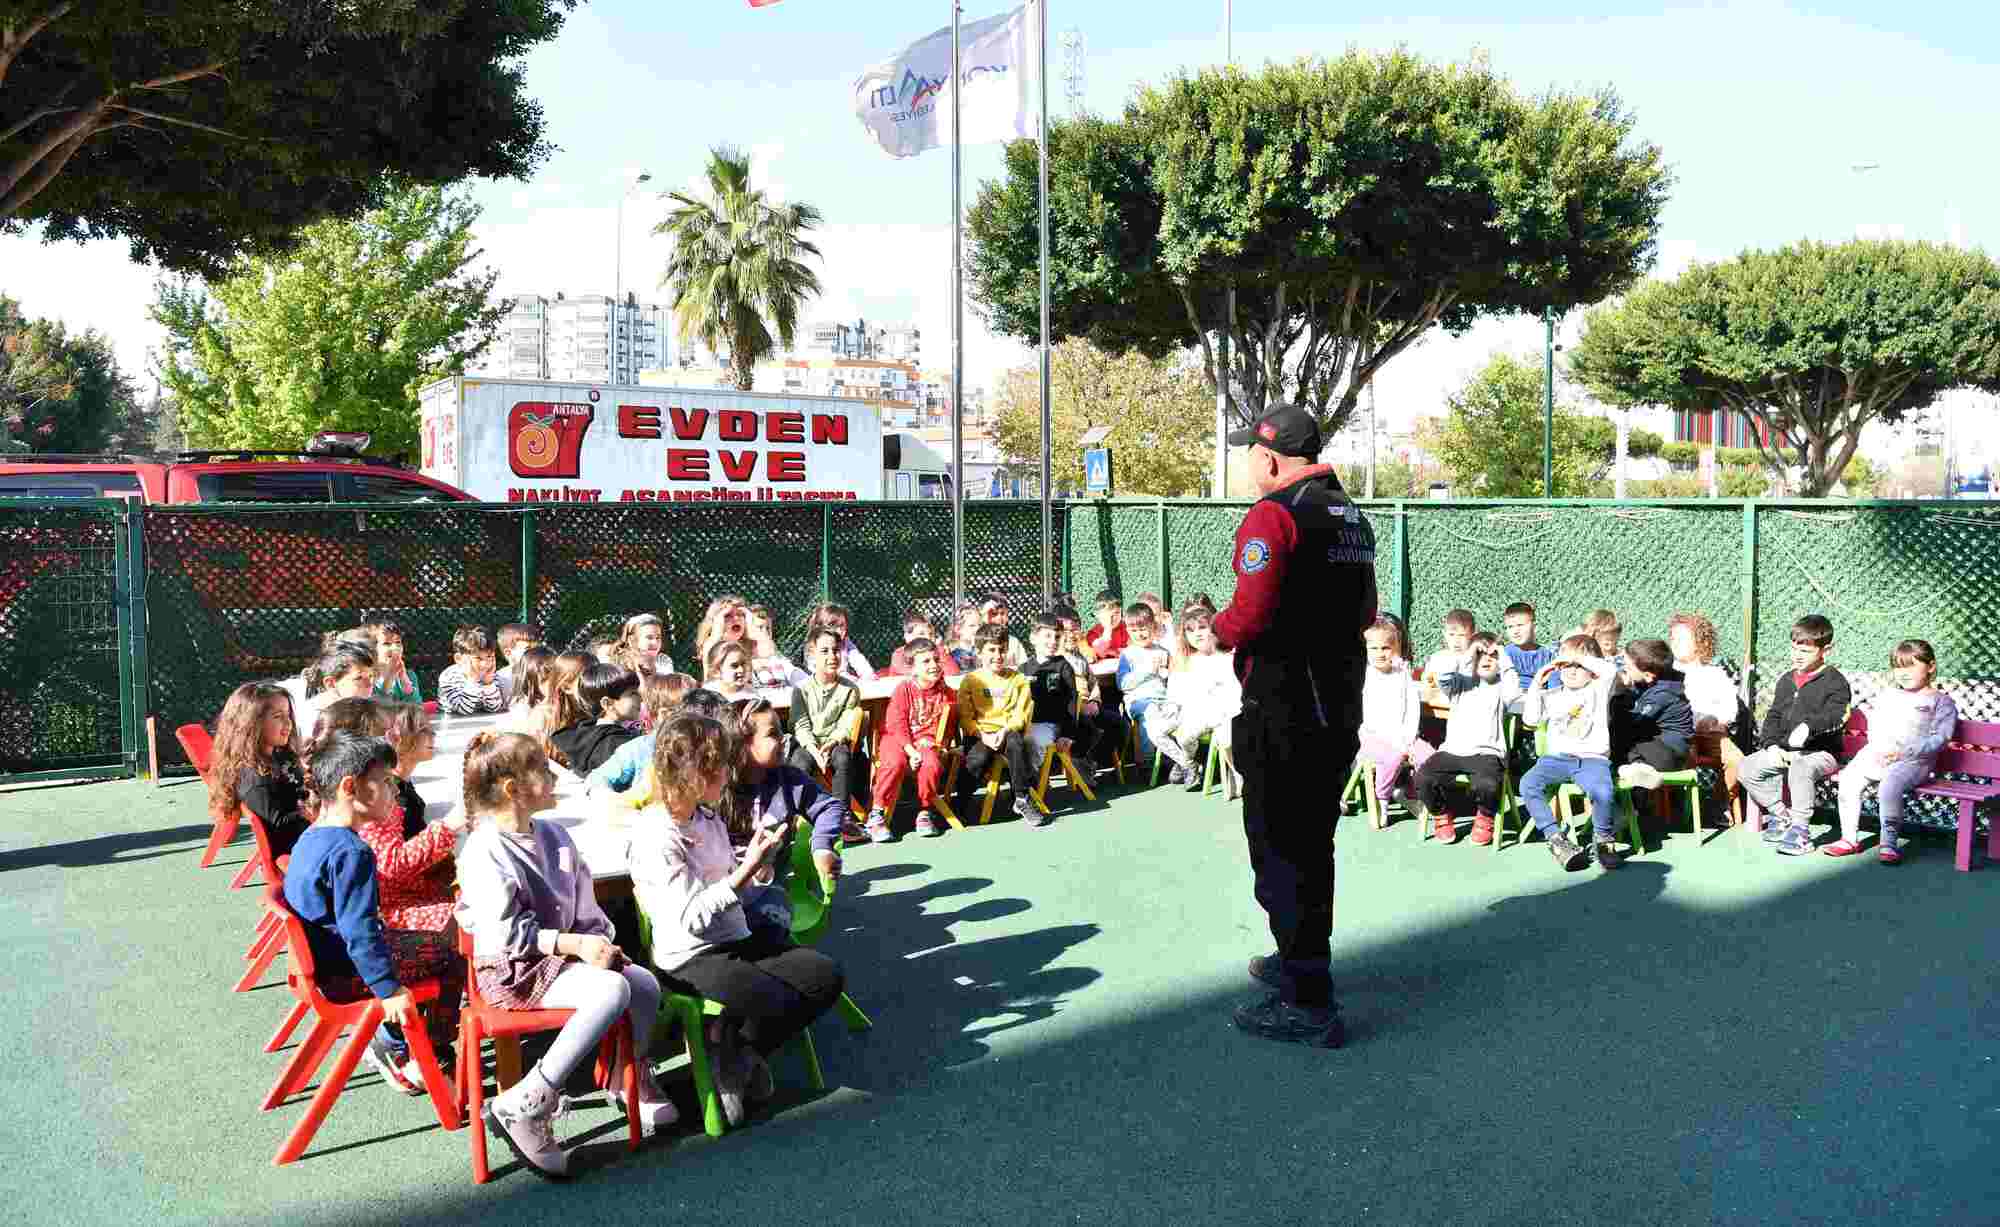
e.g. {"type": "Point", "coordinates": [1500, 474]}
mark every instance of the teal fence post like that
{"type": "Point", "coordinates": [1067, 585]}
{"type": "Point", "coordinates": [128, 588]}
{"type": "Point", "coordinates": [528, 561]}
{"type": "Point", "coordinates": [1748, 683]}
{"type": "Point", "coordinates": [1401, 536]}
{"type": "Point", "coordinates": [1166, 581]}
{"type": "Point", "coordinates": [826, 551]}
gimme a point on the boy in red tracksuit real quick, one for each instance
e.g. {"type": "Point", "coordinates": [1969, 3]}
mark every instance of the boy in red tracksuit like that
{"type": "Point", "coordinates": [910, 740]}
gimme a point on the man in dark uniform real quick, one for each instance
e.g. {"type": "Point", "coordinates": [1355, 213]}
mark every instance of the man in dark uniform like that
{"type": "Point", "coordinates": [1305, 591]}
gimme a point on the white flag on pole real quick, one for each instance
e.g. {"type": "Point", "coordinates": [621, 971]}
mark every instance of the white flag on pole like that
{"type": "Point", "coordinates": [904, 105]}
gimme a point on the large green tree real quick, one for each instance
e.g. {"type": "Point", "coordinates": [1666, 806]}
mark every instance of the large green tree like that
{"type": "Point", "coordinates": [1351, 204]}
{"type": "Point", "coordinates": [1491, 437]}
{"type": "Point", "coordinates": [738, 274]}
{"type": "Point", "coordinates": [202, 129]}
{"type": "Point", "coordinates": [339, 334]}
{"type": "Point", "coordinates": [1161, 420]}
{"type": "Point", "coordinates": [63, 393]}
{"type": "Point", "coordinates": [1812, 341]}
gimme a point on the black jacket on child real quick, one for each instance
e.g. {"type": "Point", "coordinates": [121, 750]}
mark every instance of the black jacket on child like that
{"type": "Point", "coordinates": [1657, 711]}
{"type": "Point", "coordinates": [588, 745]}
{"type": "Point", "coordinates": [1821, 705]}
{"type": "Point", "coordinates": [1052, 688]}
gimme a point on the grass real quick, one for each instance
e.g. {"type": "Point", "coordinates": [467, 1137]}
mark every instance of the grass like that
{"type": "Point", "coordinates": [1712, 1034]}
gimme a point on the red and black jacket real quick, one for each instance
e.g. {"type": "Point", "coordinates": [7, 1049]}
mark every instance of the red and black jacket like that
{"type": "Point", "coordinates": [1305, 591]}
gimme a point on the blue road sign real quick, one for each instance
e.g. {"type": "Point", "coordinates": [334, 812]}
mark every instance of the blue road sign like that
{"type": "Point", "coordinates": [1097, 470]}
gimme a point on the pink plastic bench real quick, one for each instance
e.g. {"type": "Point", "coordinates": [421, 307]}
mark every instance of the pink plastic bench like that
{"type": "Point", "coordinates": [1973, 750]}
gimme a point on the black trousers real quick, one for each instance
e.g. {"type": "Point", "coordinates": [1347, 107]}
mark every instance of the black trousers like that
{"type": "Point", "coordinates": [1434, 783]}
{"type": "Point", "coordinates": [979, 760]}
{"type": "Point", "coordinates": [1286, 759]}
{"type": "Point", "coordinates": [771, 986]}
{"type": "Point", "coordinates": [843, 764]}
{"type": "Point", "coordinates": [1655, 753]}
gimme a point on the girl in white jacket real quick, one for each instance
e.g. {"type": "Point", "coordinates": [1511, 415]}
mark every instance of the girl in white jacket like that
{"type": "Point", "coordinates": [1392, 703]}
{"type": "Point", "coordinates": [1907, 725]}
{"type": "Point", "coordinates": [1203, 694]}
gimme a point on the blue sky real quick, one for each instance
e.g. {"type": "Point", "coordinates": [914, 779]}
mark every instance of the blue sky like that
{"type": "Point", "coordinates": [1761, 107]}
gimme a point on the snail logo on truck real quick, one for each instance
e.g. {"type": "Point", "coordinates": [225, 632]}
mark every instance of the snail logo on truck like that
{"type": "Point", "coordinates": [545, 438]}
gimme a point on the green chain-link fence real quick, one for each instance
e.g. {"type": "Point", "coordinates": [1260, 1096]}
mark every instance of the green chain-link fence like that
{"type": "Point", "coordinates": [240, 592]}
{"type": "Point", "coordinates": [64, 681]}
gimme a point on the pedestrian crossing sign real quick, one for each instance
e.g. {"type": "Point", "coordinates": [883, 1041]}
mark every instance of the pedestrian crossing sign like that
{"type": "Point", "coordinates": [1097, 471]}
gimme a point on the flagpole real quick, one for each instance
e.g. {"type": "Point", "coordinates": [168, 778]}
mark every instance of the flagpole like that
{"type": "Point", "coordinates": [1048, 513]}
{"type": "Point", "coordinates": [957, 340]}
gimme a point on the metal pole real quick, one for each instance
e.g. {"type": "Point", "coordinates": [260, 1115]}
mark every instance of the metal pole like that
{"type": "Point", "coordinates": [1048, 513]}
{"type": "Point", "coordinates": [1371, 439]}
{"type": "Point", "coordinates": [1228, 310]}
{"type": "Point", "coordinates": [957, 341]}
{"type": "Point", "coordinates": [617, 287]}
{"type": "Point", "coordinates": [1548, 402]}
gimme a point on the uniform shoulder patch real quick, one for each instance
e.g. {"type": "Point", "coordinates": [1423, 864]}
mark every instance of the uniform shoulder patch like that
{"type": "Point", "coordinates": [1256, 556]}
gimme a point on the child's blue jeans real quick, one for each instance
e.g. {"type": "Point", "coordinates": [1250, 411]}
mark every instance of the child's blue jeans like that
{"type": "Point", "coordinates": [1593, 775]}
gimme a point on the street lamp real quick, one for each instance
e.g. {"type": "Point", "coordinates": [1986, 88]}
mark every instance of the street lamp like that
{"type": "Point", "coordinates": [618, 274]}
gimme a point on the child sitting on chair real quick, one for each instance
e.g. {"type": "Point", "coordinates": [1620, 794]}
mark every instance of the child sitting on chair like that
{"type": "Point", "coordinates": [1142, 672]}
{"type": "Point", "coordinates": [911, 731]}
{"type": "Point", "coordinates": [1800, 741]}
{"type": "Point", "coordinates": [1054, 695]}
{"type": "Point", "coordinates": [915, 627]}
{"type": "Point", "coordinates": [255, 764]}
{"type": "Point", "coordinates": [641, 644]}
{"type": "Point", "coordinates": [1107, 636]}
{"type": "Point", "coordinates": [1103, 723]}
{"type": "Point", "coordinates": [1478, 686]}
{"type": "Point", "coordinates": [628, 773]}
{"type": "Point", "coordinates": [611, 694]}
{"type": "Point", "coordinates": [541, 942]}
{"type": "Point", "coordinates": [472, 686]}
{"type": "Point", "coordinates": [333, 885]}
{"type": "Point", "coordinates": [771, 672]}
{"type": "Point", "coordinates": [1458, 629]}
{"type": "Point", "coordinates": [1908, 723]}
{"type": "Point", "coordinates": [1717, 709]}
{"type": "Point", "coordinates": [727, 669]}
{"type": "Point", "coordinates": [1578, 716]}
{"type": "Point", "coordinates": [1391, 706]}
{"type": "Point", "coordinates": [1652, 724]}
{"type": "Point", "coordinates": [994, 707]}
{"type": "Point", "coordinates": [1204, 695]}
{"type": "Point", "coordinates": [826, 715]}
{"type": "Point", "coordinates": [687, 879]}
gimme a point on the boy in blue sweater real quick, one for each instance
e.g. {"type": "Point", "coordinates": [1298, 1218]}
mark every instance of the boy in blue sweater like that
{"type": "Point", "coordinates": [330, 885]}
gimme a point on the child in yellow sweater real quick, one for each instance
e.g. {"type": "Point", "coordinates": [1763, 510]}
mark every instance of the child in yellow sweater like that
{"type": "Point", "coordinates": [994, 706]}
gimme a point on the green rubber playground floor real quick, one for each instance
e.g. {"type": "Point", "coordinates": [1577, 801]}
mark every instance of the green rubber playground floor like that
{"type": "Point", "coordinates": [1711, 1034]}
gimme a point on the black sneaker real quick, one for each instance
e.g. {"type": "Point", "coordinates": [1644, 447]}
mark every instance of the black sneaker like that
{"type": "Point", "coordinates": [1266, 968]}
{"type": "Point", "coordinates": [1176, 774]}
{"type": "Point", "coordinates": [1605, 853]}
{"type": "Point", "coordinates": [1274, 1018]}
{"type": "Point", "coordinates": [1567, 854]}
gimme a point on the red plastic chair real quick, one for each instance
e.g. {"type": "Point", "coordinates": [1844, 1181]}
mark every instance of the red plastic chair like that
{"type": "Point", "coordinates": [481, 1021]}
{"type": "Point", "coordinates": [200, 748]}
{"type": "Point", "coordinates": [332, 1018]}
{"type": "Point", "coordinates": [270, 938]}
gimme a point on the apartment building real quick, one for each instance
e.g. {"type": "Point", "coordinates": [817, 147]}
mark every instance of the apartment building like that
{"type": "Point", "coordinates": [585, 339]}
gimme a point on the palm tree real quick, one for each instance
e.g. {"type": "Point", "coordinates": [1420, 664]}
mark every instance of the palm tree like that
{"type": "Point", "coordinates": [738, 268]}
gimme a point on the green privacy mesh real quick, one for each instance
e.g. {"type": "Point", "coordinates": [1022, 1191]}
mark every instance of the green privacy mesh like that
{"type": "Point", "coordinates": [58, 637]}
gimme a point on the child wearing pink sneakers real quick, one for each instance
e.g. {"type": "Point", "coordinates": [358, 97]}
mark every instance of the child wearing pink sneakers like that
{"type": "Point", "coordinates": [1907, 725]}
{"type": "Point", "coordinates": [1391, 705]}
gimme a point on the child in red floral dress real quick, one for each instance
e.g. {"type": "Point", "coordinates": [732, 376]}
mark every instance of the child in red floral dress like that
{"type": "Point", "coordinates": [415, 879]}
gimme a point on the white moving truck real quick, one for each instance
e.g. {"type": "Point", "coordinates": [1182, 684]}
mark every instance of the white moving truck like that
{"type": "Point", "coordinates": [508, 441]}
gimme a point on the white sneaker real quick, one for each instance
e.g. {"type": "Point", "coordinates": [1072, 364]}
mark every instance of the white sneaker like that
{"type": "Point", "coordinates": [1639, 775]}
{"type": "Point", "coordinates": [656, 1111]}
{"type": "Point", "coordinates": [523, 1116]}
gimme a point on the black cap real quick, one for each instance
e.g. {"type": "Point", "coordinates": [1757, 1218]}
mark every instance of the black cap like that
{"type": "Point", "coordinates": [1285, 429]}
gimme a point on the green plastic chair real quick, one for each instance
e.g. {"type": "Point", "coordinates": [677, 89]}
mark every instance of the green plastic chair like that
{"type": "Point", "coordinates": [1569, 792]}
{"type": "Point", "coordinates": [812, 915]}
{"type": "Point", "coordinates": [1359, 791]}
{"type": "Point", "coordinates": [1510, 803]}
{"type": "Point", "coordinates": [1211, 772]}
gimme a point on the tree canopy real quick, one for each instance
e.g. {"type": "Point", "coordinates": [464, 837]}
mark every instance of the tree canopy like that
{"type": "Point", "coordinates": [340, 334]}
{"type": "Point", "coordinates": [1812, 341]}
{"type": "Point", "coordinates": [737, 274]}
{"type": "Point", "coordinates": [1352, 205]}
{"type": "Point", "coordinates": [1491, 437]}
{"type": "Point", "coordinates": [1161, 420]}
{"type": "Point", "coordinates": [203, 129]}
{"type": "Point", "coordinates": [63, 393]}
